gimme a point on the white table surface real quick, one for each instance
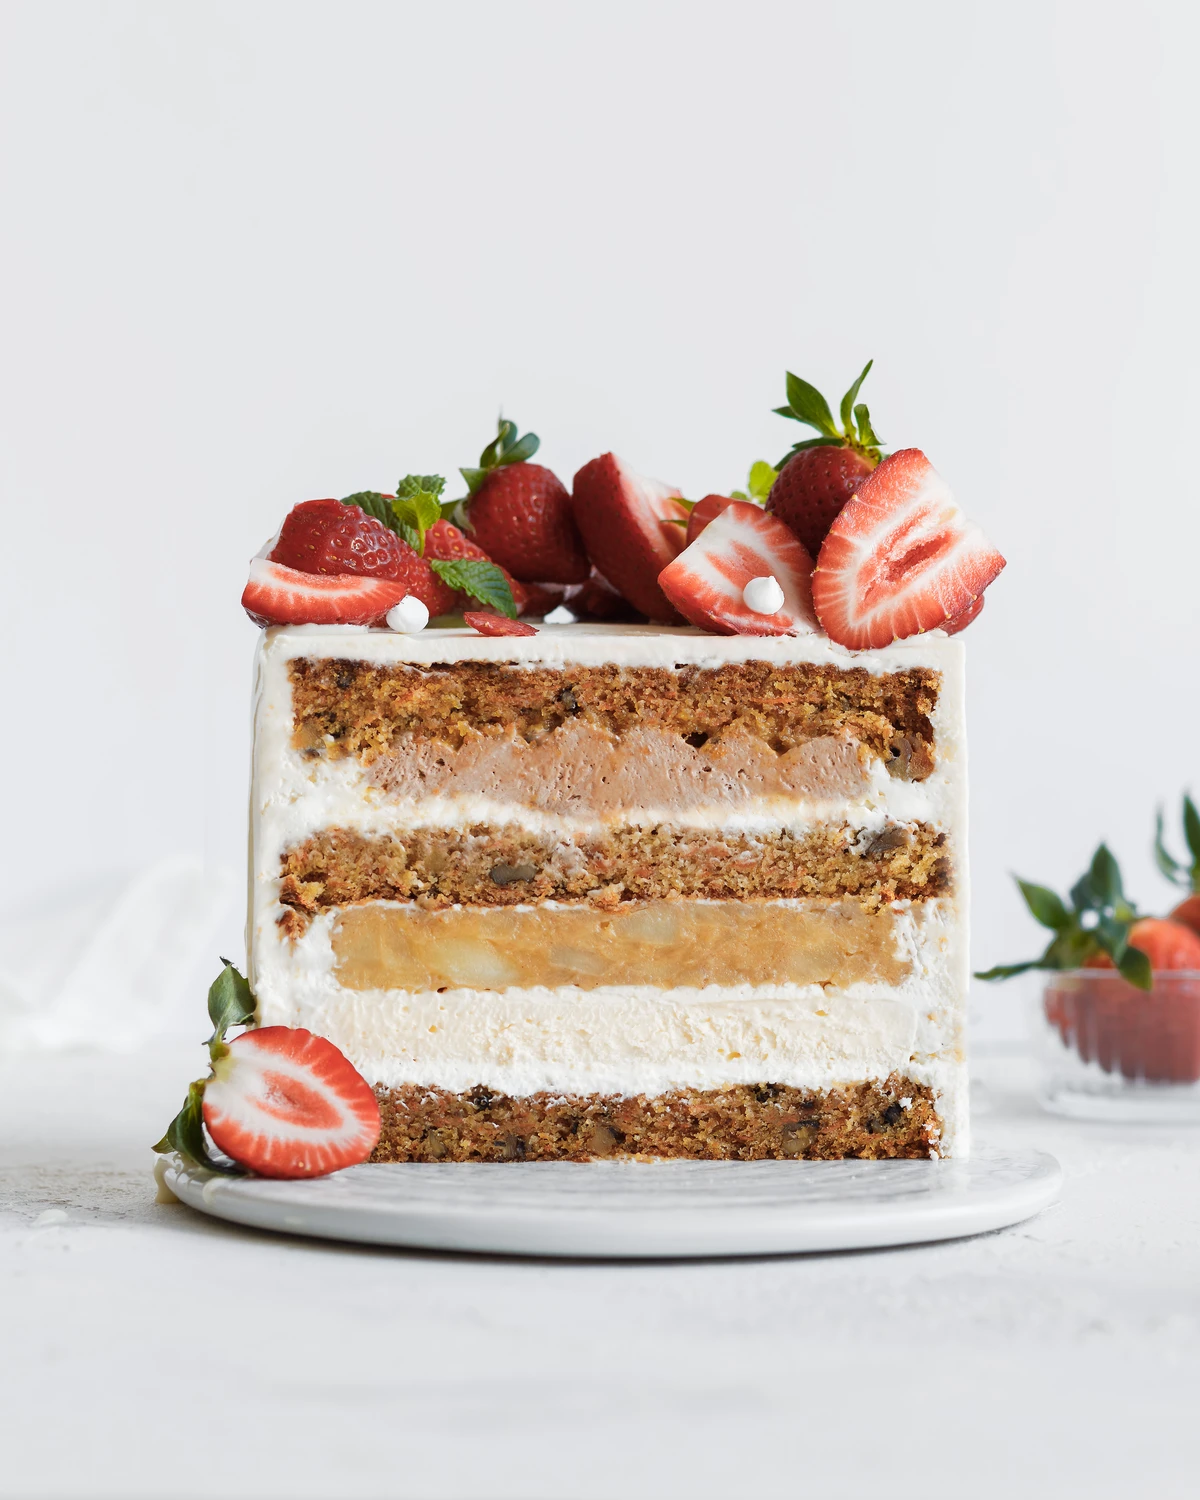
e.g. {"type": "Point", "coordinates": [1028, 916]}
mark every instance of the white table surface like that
{"type": "Point", "coordinates": [148, 1351]}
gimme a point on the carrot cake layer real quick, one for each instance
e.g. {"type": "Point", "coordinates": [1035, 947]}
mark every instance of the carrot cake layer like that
{"type": "Point", "coordinates": [509, 866]}
{"type": "Point", "coordinates": [895, 1117]}
{"type": "Point", "coordinates": [347, 707]}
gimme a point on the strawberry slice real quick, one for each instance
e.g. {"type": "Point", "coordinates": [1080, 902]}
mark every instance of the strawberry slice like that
{"type": "Point", "coordinates": [286, 1103]}
{"type": "Point", "coordinates": [278, 595]}
{"type": "Point", "coordinates": [487, 623]}
{"type": "Point", "coordinates": [900, 558]}
{"type": "Point", "coordinates": [703, 513]}
{"type": "Point", "coordinates": [626, 525]}
{"type": "Point", "coordinates": [705, 582]}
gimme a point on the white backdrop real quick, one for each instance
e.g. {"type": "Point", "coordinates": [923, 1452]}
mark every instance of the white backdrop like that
{"type": "Point", "coordinates": [256, 253]}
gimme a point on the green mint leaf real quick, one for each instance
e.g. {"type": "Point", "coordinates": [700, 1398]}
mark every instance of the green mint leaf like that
{"type": "Point", "coordinates": [1045, 906]}
{"type": "Point", "coordinates": [1134, 966]}
{"type": "Point", "coordinates": [482, 580]}
{"type": "Point", "coordinates": [1191, 834]}
{"type": "Point", "coordinates": [413, 485]}
{"type": "Point", "coordinates": [230, 1002]}
{"type": "Point", "coordinates": [851, 396]}
{"type": "Point", "coordinates": [412, 536]}
{"type": "Point", "coordinates": [866, 433]}
{"type": "Point", "coordinates": [762, 477]}
{"type": "Point", "coordinates": [375, 504]}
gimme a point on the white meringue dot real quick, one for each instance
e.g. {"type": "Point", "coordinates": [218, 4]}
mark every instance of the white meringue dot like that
{"type": "Point", "coordinates": [409, 617]}
{"type": "Point", "coordinates": [763, 595]}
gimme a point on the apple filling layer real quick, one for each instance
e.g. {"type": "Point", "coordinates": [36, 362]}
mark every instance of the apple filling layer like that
{"type": "Point", "coordinates": [660, 942]}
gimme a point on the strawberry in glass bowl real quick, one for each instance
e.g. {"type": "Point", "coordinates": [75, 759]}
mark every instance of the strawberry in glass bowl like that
{"type": "Point", "coordinates": [1119, 1013]}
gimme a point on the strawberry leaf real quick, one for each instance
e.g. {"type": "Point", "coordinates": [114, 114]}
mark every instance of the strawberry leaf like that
{"type": "Point", "coordinates": [230, 1003]}
{"type": "Point", "coordinates": [1191, 834]}
{"type": "Point", "coordinates": [1175, 872]}
{"type": "Point", "coordinates": [1134, 966]}
{"type": "Point", "coordinates": [806, 404]}
{"type": "Point", "coordinates": [521, 452]}
{"type": "Point", "coordinates": [866, 433]}
{"type": "Point", "coordinates": [505, 448]}
{"type": "Point", "coordinates": [1046, 907]}
{"type": "Point", "coordinates": [482, 580]}
{"type": "Point", "coordinates": [851, 395]}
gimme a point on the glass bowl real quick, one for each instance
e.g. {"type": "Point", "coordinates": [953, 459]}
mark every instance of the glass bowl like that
{"type": "Point", "coordinates": [1113, 1052]}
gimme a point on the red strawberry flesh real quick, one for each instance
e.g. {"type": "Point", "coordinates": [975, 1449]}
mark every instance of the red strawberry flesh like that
{"type": "Point", "coordinates": [276, 595]}
{"type": "Point", "coordinates": [487, 623]}
{"type": "Point", "coordinates": [626, 524]}
{"type": "Point", "coordinates": [703, 512]}
{"type": "Point", "coordinates": [901, 558]}
{"type": "Point", "coordinates": [286, 1103]}
{"type": "Point", "coordinates": [705, 582]}
{"type": "Point", "coordinates": [325, 536]}
{"type": "Point", "coordinates": [447, 543]}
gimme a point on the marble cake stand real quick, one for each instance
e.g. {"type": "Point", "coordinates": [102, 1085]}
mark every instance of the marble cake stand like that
{"type": "Point", "coordinates": [638, 1209]}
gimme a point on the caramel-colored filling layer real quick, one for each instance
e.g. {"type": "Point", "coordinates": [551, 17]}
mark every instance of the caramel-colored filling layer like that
{"type": "Point", "coordinates": [664, 943]}
{"type": "Point", "coordinates": [869, 1120]}
{"type": "Point", "coordinates": [358, 708]}
{"type": "Point", "coordinates": [585, 771]}
{"type": "Point", "coordinates": [508, 866]}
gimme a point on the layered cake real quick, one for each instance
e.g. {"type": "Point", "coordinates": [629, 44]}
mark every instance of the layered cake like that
{"type": "Point", "coordinates": [616, 889]}
{"type": "Point", "coordinates": [678, 871]}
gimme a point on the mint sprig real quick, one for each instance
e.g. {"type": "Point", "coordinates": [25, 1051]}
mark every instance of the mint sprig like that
{"type": "Point", "coordinates": [230, 1003]}
{"type": "Point", "coordinates": [482, 580]}
{"type": "Point", "coordinates": [1098, 920]}
{"type": "Point", "coordinates": [505, 448]}
{"type": "Point", "coordinates": [758, 485]}
{"type": "Point", "coordinates": [806, 404]}
{"type": "Point", "coordinates": [1177, 871]}
{"type": "Point", "coordinates": [410, 512]}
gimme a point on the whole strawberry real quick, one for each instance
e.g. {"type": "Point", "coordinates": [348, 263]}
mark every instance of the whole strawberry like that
{"type": "Point", "coordinates": [446, 543]}
{"type": "Point", "coordinates": [335, 537]}
{"type": "Point", "coordinates": [520, 513]}
{"type": "Point", "coordinates": [822, 473]}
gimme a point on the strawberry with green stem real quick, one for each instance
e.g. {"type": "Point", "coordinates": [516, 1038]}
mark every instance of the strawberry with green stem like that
{"type": "Point", "coordinates": [818, 475]}
{"type": "Point", "coordinates": [1178, 872]}
{"type": "Point", "coordinates": [278, 1100]}
{"type": "Point", "coordinates": [520, 513]}
{"type": "Point", "coordinates": [1095, 930]}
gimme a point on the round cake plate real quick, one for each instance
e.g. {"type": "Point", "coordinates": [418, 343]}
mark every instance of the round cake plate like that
{"type": "Point", "coordinates": [635, 1209]}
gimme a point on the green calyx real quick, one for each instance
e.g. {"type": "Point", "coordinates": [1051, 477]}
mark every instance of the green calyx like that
{"type": "Point", "coordinates": [1179, 872]}
{"type": "Point", "coordinates": [806, 404]}
{"type": "Point", "coordinates": [416, 506]}
{"type": "Point", "coordinates": [1098, 920]}
{"type": "Point", "coordinates": [758, 485]}
{"type": "Point", "coordinates": [504, 449]}
{"type": "Point", "coordinates": [230, 1003]}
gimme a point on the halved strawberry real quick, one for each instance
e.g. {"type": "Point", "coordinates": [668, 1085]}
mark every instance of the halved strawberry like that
{"type": "Point", "coordinates": [900, 558]}
{"type": "Point", "coordinates": [703, 512]}
{"type": "Point", "coordinates": [446, 543]}
{"type": "Point", "coordinates": [706, 580]}
{"type": "Point", "coordinates": [598, 600]}
{"type": "Point", "coordinates": [964, 617]}
{"type": "Point", "coordinates": [626, 523]}
{"type": "Point", "coordinates": [487, 623]}
{"type": "Point", "coordinates": [286, 1103]}
{"type": "Point", "coordinates": [276, 595]}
